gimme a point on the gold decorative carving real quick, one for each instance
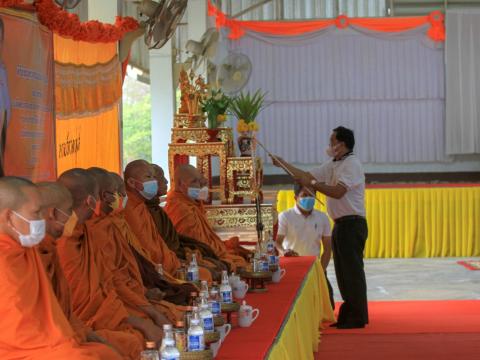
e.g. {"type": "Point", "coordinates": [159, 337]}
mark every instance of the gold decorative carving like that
{"type": "Point", "coordinates": [188, 121]}
{"type": "Point", "coordinates": [203, 151]}
{"type": "Point", "coordinates": [244, 177]}
{"type": "Point", "coordinates": [243, 216]}
{"type": "Point", "coordinates": [200, 135]}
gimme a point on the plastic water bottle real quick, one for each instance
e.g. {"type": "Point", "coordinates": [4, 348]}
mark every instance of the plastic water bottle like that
{"type": "Point", "coordinates": [150, 352]}
{"type": "Point", "coordinates": [167, 335]}
{"type": "Point", "coordinates": [179, 335]}
{"type": "Point", "coordinates": [192, 274]}
{"type": "Point", "coordinates": [196, 340]}
{"type": "Point", "coordinates": [270, 244]}
{"type": "Point", "coordinates": [225, 289]}
{"type": "Point", "coordinates": [204, 287]}
{"type": "Point", "coordinates": [170, 352]}
{"type": "Point", "coordinates": [206, 316]}
{"type": "Point", "coordinates": [214, 301]}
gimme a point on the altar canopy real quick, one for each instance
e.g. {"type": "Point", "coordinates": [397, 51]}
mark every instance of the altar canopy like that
{"type": "Point", "coordinates": [384, 78]}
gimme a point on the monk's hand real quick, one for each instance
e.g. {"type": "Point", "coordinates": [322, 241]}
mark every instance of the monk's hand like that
{"type": "Point", "coordinates": [153, 332]}
{"type": "Point", "coordinates": [154, 294]}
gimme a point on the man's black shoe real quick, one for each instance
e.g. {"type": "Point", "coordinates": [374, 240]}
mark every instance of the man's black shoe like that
{"type": "Point", "coordinates": [351, 326]}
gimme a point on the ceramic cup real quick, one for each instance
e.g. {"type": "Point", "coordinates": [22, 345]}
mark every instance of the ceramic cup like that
{"type": "Point", "coordinates": [247, 315]}
{"type": "Point", "coordinates": [240, 288]}
{"type": "Point", "coordinates": [278, 275]}
{"type": "Point", "coordinates": [224, 330]}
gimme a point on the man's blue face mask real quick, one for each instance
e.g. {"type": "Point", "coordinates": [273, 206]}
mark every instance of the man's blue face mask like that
{"type": "Point", "coordinates": [306, 203]}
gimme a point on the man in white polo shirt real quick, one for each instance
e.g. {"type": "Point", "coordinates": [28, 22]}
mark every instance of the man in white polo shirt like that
{"type": "Point", "coordinates": [302, 231]}
{"type": "Point", "coordinates": [342, 180]}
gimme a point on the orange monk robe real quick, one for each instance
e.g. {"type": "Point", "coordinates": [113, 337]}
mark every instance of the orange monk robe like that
{"type": "Point", "coordinates": [145, 230]}
{"type": "Point", "coordinates": [92, 302]}
{"type": "Point", "coordinates": [117, 264]}
{"type": "Point", "coordinates": [33, 324]}
{"type": "Point", "coordinates": [190, 219]}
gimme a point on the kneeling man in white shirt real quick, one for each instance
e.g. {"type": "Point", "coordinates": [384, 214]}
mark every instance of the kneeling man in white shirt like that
{"type": "Point", "coordinates": [302, 231]}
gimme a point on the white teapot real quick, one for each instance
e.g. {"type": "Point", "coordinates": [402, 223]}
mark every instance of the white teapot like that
{"type": "Point", "coordinates": [246, 315]}
{"type": "Point", "coordinates": [233, 279]}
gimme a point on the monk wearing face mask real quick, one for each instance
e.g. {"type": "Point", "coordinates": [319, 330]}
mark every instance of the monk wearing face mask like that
{"type": "Point", "coordinates": [33, 323]}
{"type": "Point", "coordinates": [141, 187]}
{"type": "Point", "coordinates": [185, 209]}
{"type": "Point", "coordinates": [114, 257]}
{"type": "Point", "coordinates": [94, 301]}
{"type": "Point", "coordinates": [60, 218]}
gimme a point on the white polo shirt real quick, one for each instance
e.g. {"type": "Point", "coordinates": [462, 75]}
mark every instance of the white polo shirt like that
{"type": "Point", "coordinates": [349, 172]}
{"type": "Point", "coordinates": [303, 234]}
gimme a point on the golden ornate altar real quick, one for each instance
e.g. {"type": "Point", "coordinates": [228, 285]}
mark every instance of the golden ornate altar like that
{"type": "Point", "coordinates": [239, 177]}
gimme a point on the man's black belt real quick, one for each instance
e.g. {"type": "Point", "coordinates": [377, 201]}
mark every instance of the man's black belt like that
{"type": "Point", "coordinates": [348, 218]}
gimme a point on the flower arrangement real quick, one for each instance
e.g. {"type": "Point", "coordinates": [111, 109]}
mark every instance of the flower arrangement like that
{"type": "Point", "coordinates": [216, 106]}
{"type": "Point", "coordinates": [193, 91]}
{"type": "Point", "coordinates": [246, 108]}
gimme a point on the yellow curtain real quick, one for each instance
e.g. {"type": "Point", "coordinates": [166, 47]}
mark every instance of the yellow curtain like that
{"type": "Point", "coordinates": [300, 335]}
{"type": "Point", "coordinates": [88, 88]}
{"type": "Point", "coordinates": [417, 222]}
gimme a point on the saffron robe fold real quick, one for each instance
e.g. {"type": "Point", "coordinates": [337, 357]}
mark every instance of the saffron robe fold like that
{"type": "Point", "coordinates": [144, 228]}
{"type": "Point", "coordinates": [33, 323]}
{"type": "Point", "coordinates": [181, 244]}
{"type": "Point", "coordinates": [190, 219]}
{"type": "Point", "coordinates": [94, 302]}
{"type": "Point", "coordinates": [118, 265]}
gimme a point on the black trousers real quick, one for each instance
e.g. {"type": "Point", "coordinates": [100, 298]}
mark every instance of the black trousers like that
{"type": "Point", "coordinates": [348, 240]}
{"type": "Point", "coordinates": [330, 292]}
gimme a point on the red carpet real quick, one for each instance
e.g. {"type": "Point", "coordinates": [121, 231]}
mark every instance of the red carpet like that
{"type": "Point", "coordinates": [470, 264]}
{"type": "Point", "coordinates": [410, 330]}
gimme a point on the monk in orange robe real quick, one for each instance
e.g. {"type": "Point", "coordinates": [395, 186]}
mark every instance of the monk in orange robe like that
{"type": "Point", "coordinates": [57, 210]}
{"type": "Point", "coordinates": [183, 245]}
{"type": "Point", "coordinates": [171, 290]}
{"type": "Point", "coordinates": [115, 259]}
{"type": "Point", "coordinates": [33, 324]}
{"type": "Point", "coordinates": [142, 186]}
{"type": "Point", "coordinates": [95, 302]}
{"type": "Point", "coordinates": [187, 213]}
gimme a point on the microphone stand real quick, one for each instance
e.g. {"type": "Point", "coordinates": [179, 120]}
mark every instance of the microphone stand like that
{"type": "Point", "coordinates": [258, 208]}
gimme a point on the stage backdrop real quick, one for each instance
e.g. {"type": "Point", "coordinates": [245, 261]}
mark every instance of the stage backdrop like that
{"type": "Point", "coordinates": [88, 88]}
{"type": "Point", "coordinates": [26, 96]}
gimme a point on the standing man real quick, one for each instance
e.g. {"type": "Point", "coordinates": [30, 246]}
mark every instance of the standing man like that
{"type": "Point", "coordinates": [302, 231]}
{"type": "Point", "coordinates": [342, 180]}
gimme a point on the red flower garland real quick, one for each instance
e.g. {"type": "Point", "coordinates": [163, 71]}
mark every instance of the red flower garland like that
{"type": "Point", "coordinates": [10, 3]}
{"type": "Point", "coordinates": [68, 25]}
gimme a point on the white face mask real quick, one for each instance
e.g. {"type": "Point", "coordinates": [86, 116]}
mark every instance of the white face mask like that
{"type": "Point", "coordinates": [198, 193]}
{"type": "Point", "coordinates": [36, 235]}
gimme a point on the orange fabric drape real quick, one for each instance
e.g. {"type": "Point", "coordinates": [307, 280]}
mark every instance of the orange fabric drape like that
{"type": "Point", "coordinates": [87, 118]}
{"type": "Point", "coordinates": [292, 28]}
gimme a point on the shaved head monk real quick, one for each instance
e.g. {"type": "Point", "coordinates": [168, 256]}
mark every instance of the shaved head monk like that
{"type": "Point", "coordinates": [185, 209]}
{"type": "Point", "coordinates": [95, 302]}
{"type": "Point", "coordinates": [114, 257]}
{"type": "Point", "coordinates": [33, 323]}
{"type": "Point", "coordinates": [181, 244]}
{"type": "Point", "coordinates": [142, 186]}
{"type": "Point", "coordinates": [171, 290]}
{"type": "Point", "coordinates": [57, 210]}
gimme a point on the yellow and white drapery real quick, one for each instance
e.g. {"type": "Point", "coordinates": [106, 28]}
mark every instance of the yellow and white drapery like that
{"type": "Point", "coordinates": [417, 222]}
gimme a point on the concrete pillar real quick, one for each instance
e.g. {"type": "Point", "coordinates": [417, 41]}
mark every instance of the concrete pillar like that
{"type": "Point", "coordinates": [163, 103]}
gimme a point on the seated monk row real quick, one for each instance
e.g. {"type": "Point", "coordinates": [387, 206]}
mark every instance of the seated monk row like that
{"type": "Point", "coordinates": [34, 324]}
{"type": "Point", "coordinates": [141, 187]}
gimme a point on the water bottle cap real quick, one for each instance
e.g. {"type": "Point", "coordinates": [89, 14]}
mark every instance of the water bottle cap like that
{"type": "Point", "coordinates": [179, 324]}
{"type": "Point", "coordinates": [151, 345]}
{"type": "Point", "coordinates": [167, 326]}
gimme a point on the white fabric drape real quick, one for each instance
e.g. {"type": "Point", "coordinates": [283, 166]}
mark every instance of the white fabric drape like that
{"type": "Point", "coordinates": [463, 81]}
{"type": "Point", "coordinates": [389, 88]}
